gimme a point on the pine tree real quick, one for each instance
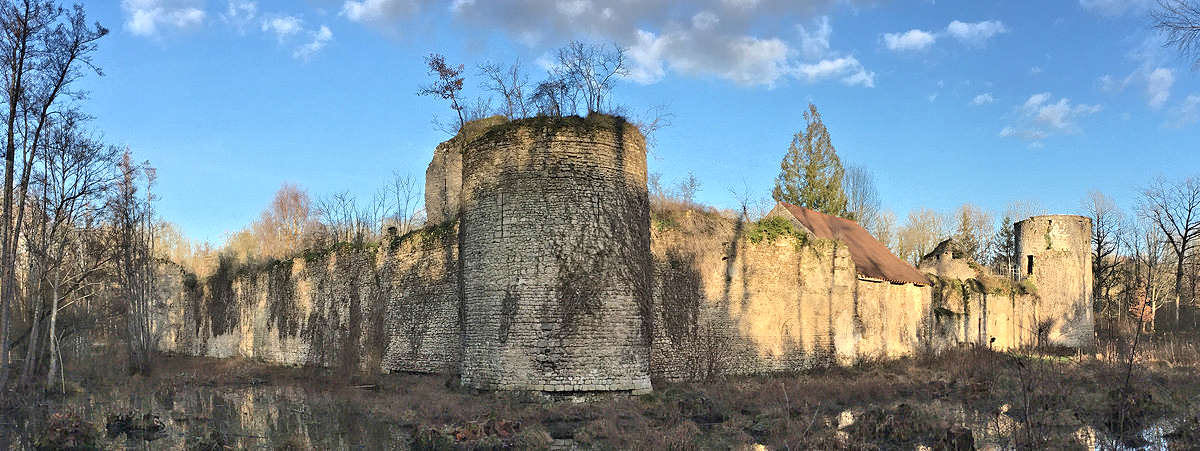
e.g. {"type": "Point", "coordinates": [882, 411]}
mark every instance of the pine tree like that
{"type": "Point", "coordinates": [811, 173]}
{"type": "Point", "coordinates": [1004, 247]}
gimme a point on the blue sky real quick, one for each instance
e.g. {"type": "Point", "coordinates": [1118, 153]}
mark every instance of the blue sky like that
{"type": "Point", "coordinates": [945, 102]}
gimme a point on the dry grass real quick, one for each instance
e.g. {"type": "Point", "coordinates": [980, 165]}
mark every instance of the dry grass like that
{"type": "Point", "coordinates": [1027, 400]}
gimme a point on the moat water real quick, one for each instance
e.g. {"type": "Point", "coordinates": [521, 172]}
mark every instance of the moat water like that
{"type": "Point", "coordinates": [274, 417]}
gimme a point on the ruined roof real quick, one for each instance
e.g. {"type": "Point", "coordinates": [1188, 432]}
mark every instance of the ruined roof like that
{"type": "Point", "coordinates": [871, 258]}
{"type": "Point", "coordinates": [947, 245]}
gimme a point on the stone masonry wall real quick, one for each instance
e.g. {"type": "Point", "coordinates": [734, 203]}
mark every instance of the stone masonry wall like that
{"type": "Point", "coordinates": [443, 176]}
{"type": "Point", "coordinates": [548, 274]}
{"type": "Point", "coordinates": [725, 304]}
{"type": "Point", "coordinates": [555, 250]}
{"type": "Point", "coordinates": [1060, 246]}
{"type": "Point", "coordinates": [387, 308]}
{"type": "Point", "coordinates": [985, 310]}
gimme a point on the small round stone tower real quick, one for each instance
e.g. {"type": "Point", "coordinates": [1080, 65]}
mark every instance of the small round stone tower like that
{"type": "Point", "coordinates": [1054, 254]}
{"type": "Point", "coordinates": [555, 248]}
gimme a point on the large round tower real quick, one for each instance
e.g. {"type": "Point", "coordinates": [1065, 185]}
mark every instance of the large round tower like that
{"type": "Point", "coordinates": [555, 249]}
{"type": "Point", "coordinates": [1054, 254]}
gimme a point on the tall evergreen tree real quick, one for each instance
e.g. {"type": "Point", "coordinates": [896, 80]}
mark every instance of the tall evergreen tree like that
{"type": "Point", "coordinates": [811, 173]}
{"type": "Point", "coordinates": [1004, 247]}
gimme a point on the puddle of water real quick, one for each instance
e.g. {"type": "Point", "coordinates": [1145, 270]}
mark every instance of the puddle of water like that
{"type": "Point", "coordinates": [243, 418]}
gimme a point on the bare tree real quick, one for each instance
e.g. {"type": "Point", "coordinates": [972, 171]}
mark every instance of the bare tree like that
{"type": "Point", "coordinates": [283, 227]}
{"type": "Point", "coordinates": [1108, 224]}
{"type": "Point", "coordinates": [1174, 208]}
{"type": "Point", "coordinates": [1179, 20]}
{"type": "Point", "coordinates": [43, 49]}
{"type": "Point", "coordinates": [1020, 210]}
{"type": "Point", "coordinates": [590, 71]}
{"type": "Point", "coordinates": [448, 84]}
{"type": "Point", "coordinates": [973, 230]}
{"type": "Point", "coordinates": [405, 193]}
{"type": "Point", "coordinates": [688, 187]}
{"type": "Point", "coordinates": [1149, 288]}
{"type": "Point", "coordinates": [884, 230]}
{"type": "Point", "coordinates": [479, 109]}
{"type": "Point", "coordinates": [509, 83]}
{"type": "Point", "coordinates": [133, 239]}
{"type": "Point", "coordinates": [72, 179]}
{"type": "Point", "coordinates": [920, 233]}
{"type": "Point", "coordinates": [345, 220]}
{"type": "Point", "coordinates": [553, 98]}
{"type": "Point", "coordinates": [862, 196]}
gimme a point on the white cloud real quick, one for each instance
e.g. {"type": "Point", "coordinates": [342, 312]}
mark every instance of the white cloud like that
{"type": "Point", "coordinates": [283, 26]}
{"type": "Point", "coordinates": [705, 20]}
{"type": "Point", "coordinates": [973, 34]}
{"type": "Point", "coordinates": [240, 12]}
{"type": "Point", "coordinates": [717, 38]}
{"type": "Point", "coordinates": [742, 59]}
{"type": "Point", "coordinates": [1185, 113]}
{"type": "Point", "coordinates": [1158, 86]}
{"type": "Point", "coordinates": [1115, 7]}
{"type": "Point", "coordinates": [320, 39]}
{"type": "Point", "coordinates": [574, 8]}
{"type": "Point", "coordinates": [1158, 82]}
{"type": "Point", "coordinates": [1035, 70]}
{"type": "Point", "coordinates": [977, 33]}
{"type": "Point", "coordinates": [1109, 84]}
{"type": "Point", "coordinates": [148, 17]}
{"type": "Point", "coordinates": [911, 40]}
{"type": "Point", "coordinates": [1040, 117]}
{"type": "Point", "coordinates": [814, 44]}
{"type": "Point", "coordinates": [386, 11]}
{"type": "Point", "coordinates": [460, 5]}
{"type": "Point", "coordinates": [847, 69]}
{"type": "Point", "coordinates": [983, 99]}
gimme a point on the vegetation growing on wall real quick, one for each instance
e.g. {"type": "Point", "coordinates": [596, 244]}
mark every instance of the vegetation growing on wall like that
{"type": "Point", "coordinates": [222, 301]}
{"type": "Point", "coordinates": [426, 235]}
{"type": "Point", "coordinates": [681, 296]}
{"type": "Point", "coordinates": [584, 126]}
{"type": "Point", "coordinates": [282, 309]}
{"type": "Point", "coordinates": [770, 229]}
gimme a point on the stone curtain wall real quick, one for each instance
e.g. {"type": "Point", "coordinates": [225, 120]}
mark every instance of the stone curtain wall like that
{"type": "Point", "coordinates": [725, 304]}
{"type": "Point", "coordinates": [387, 308]}
{"type": "Point", "coordinates": [1062, 271]}
{"type": "Point", "coordinates": [443, 176]}
{"type": "Point", "coordinates": [985, 310]}
{"type": "Point", "coordinates": [555, 249]}
{"type": "Point", "coordinates": [565, 284]}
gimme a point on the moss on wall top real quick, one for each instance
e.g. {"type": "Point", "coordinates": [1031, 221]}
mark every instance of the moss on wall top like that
{"type": "Point", "coordinates": [591, 124]}
{"type": "Point", "coordinates": [475, 129]}
{"type": "Point", "coordinates": [437, 233]}
{"type": "Point", "coordinates": [773, 228]}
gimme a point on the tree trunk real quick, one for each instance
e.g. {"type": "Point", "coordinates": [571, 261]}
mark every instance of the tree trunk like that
{"type": "Point", "coordinates": [1178, 288]}
{"type": "Point", "coordinates": [31, 350]}
{"type": "Point", "coordinates": [53, 343]}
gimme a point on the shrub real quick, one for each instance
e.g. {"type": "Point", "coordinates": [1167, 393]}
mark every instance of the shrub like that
{"type": "Point", "coordinates": [770, 229]}
{"type": "Point", "coordinates": [66, 431]}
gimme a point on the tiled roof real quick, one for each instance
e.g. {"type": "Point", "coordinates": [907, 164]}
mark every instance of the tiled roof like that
{"type": "Point", "coordinates": [871, 258]}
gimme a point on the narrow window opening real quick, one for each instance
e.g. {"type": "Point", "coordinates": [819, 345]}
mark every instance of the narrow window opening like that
{"type": "Point", "coordinates": [1029, 271]}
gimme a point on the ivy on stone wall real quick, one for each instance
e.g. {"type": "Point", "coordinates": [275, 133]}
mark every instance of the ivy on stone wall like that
{"type": "Point", "coordinates": [770, 229]}
{"type": "Point", "coordinates": [222, 301]}
{"type": "Point", "coordinates": [282, 311]}
{"type": "Point", "coordinates": [681, 296]}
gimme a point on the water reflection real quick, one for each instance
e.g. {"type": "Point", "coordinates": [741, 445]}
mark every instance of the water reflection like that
{"type": "Point", "coordinates": [236, 418]}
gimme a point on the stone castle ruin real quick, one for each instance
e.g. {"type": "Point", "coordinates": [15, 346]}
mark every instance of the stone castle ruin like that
{"type": "Point", "coordinates": [544, 269]}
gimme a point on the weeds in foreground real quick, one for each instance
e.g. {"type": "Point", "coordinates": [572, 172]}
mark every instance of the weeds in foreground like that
{"type": "Point", "coordinates": [966, 396]}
